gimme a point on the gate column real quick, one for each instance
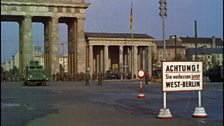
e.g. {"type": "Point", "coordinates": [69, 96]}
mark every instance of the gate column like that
{"type": "Point", "coordinates": [54, 34]}
{"type": "Point", "coordinates": [47, 45]}
{"type": "Point", "coordinates": [72, 47]}
{"type": "Point", "coordinates": [81, 46]}
{"type": "Point", "coordinates": [51, 45]}
{"type": "Point", "coordinates": [25, 44]}
{"type": "Point", "coordinates": [91, 60]}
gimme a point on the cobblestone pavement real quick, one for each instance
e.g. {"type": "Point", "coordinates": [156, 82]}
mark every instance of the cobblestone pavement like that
{"type": "Point", "coordinates": [113, 104]}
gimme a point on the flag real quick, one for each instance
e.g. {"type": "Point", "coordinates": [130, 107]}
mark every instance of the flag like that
{"type": "Point", "coordinates": [131, 15]}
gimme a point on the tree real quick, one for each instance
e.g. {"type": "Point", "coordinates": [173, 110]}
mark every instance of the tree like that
{"type": "Point", "coordinates": [2, 69]}
{"type": "Point", "coordinates": [154, 60]}
{"type": "Point", "coordinates": [179, 57]}
{"type": "Point", "coordinates": [14, 70]}
{"type": "Point", "coordinates": [205, 62]}
{"type": "Point", "coordinates": [214, 61]}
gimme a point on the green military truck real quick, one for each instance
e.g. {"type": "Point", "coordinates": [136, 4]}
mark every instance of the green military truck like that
{"type": "Point", "coordinates": [35, 74]}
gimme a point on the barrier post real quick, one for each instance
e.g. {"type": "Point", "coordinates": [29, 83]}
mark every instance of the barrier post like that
{"type": "Point", "coordinates": [141, 95]}
{"type": "Point", "coordinates": [199, 112]}
{"type": "Point", "coordinates": [164, 112]}
{"type": "Point", "coordinates": [141, 76]}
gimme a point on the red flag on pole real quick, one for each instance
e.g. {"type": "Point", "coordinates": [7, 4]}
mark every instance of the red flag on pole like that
{"type": "Point", "coordinates": [131, 15]}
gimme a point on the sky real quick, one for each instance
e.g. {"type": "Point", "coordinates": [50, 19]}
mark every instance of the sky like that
{"type": "Point", "coordinates": [113, 16]}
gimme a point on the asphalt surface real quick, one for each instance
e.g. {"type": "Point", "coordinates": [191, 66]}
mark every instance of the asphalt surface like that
{"type": "Point", "coordinates": [113, 104]}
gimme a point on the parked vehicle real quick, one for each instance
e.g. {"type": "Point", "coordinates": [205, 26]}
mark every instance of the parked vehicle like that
{"type": "Point", "coordinates": [157, 74]}
{"type": "Point", "coordinates": [112, 74]}
{"type": "Point", "coordinates": [35, 74]}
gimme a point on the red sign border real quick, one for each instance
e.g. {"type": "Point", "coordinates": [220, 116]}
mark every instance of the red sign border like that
{"type": "Point", "coordinates": [143, 72]}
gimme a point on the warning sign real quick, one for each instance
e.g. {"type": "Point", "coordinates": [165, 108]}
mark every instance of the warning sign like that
{"type": "Point", "coordinates": [182, 76]}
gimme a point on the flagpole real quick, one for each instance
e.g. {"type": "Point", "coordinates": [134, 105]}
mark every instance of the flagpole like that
{"type": "Point", "coordinates": [132, 48]}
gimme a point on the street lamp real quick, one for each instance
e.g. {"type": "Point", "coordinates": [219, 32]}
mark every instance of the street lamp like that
{"type": "Point", "coordinates": [163, 15]}
{"type": "Point", "coordinates": [164, 112]}
{"type": "Point", "coordinates": [175, 44]}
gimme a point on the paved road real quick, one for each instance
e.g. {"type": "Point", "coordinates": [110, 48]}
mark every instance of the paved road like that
{"type": "Point", "coordinates": [113, 104]}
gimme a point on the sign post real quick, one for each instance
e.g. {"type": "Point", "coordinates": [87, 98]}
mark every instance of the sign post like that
{"type": "Point", "coordinates": [141, 76]}
{"type": "Point", "coordinates": [182, 76]}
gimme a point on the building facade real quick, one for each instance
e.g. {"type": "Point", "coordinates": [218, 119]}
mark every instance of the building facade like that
{"type": "Point", "coordinates": [202, 42]}
{"type": "Point", "coordinates": [206, 55]}
{"type": "Point", "coordinates": [208, 50]}
{"type": "Point", "coordinates": [174, 49]}
{"type": "Point", "coordinates": [119, 52]}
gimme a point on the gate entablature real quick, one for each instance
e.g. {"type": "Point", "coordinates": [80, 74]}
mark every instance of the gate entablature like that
{"type": "Point", "coordinates": [43, 9]}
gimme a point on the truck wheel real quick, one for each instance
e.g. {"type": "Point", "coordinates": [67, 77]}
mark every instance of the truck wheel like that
{"type": "Point", "coordinates": [28, 83]}
{"type": "Point", "coordinates": [25, 83]}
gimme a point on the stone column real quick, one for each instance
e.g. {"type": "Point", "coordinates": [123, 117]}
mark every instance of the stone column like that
{"type": "Point", "coordinates": [97, 63]}
{"type": "Point", "coordinates": [54, 45]}
{"type": "Point", "coordinates": [140, 57]}
{"type": "Point", "coordinates": [21, 39]}
{"type": "Point", "coordinates": [46, 45]}
{"type": "Point", "coordinates": [94, 65]}
{"type": "Point", "coordinates": [129, 60]}
{"type": "Point", "coordinates": [135, 60]}
{"type": "Point", "coordinates": [149, 60]}
{"type": "Point", "coordinates": [91, 59]}
{"type": "Point", "coordinates": [144, 59]}
{"type": "Point", "coordinates": [26, 44]}
{"type": "Point", "coordinates": [121, 58]}
{"type": "Point", "coordinates": [101, 60]}
{"type": "Point", "coordinates": [125, 62]}
{"type": "Point", "coordinates": [81, 46]}
{"type": "Point", "coordinates": [106, 67]}
{"type": "Point", "coordinates": [72, 46]}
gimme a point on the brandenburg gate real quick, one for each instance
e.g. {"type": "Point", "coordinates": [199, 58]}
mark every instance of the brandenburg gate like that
{"type": "Point", "coordinates": [93, 52]}
{"type": "Point", "coordinates": [50, 13]}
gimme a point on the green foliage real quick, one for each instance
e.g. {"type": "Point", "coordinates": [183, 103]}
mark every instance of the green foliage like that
{"type": "Point", "coordinates": [2, 69]}
{"type": "Point", "coordinates": [154, 60]}
{"type": "Point", "coordinates": [205, 62]}
{"type": "Point", "coordinates": [215, 62]}
{"type": "Point", "coordinates": [14, 71]}
{"type": "Point", "coordinates": [179, 57]}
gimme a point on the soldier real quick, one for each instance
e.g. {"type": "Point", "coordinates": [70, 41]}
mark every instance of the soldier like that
{"type": "Point", "coordinates": [87, 77]}
{"type": "Point", "coordinates": [100, 78]}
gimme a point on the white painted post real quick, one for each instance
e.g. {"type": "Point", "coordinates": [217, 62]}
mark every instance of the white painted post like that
{"type": "Point", "coordinates": [199, 98]}
{"type": "Point", "coordinates": [164, 100]}
{"type": "Point", "coordinates": [141, 85]}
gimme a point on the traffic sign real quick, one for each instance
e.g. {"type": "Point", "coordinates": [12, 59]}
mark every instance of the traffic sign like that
{"type": "Point", "coordinates": [141, 73]}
